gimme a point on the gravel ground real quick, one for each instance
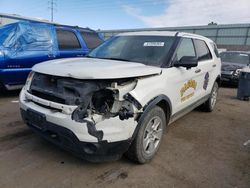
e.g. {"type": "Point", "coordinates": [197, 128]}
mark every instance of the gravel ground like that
{"type": "Point", "coordinates": [199, 150]}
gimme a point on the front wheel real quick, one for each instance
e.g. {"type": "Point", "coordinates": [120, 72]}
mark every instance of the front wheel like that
{"type": "Point", "coordinates": [149, 136]}
{"type": "Point", "coordinates": [209, 105]}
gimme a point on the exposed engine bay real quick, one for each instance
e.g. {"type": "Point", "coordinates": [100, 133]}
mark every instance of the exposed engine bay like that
{"type": "Point", "coordinates": [96, 100]}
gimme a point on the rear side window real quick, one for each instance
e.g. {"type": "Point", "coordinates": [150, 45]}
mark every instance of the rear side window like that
{"type": "Point", "coordinates": [215, 49]}
{"type": "Point", "coordinates": [186, 48]}
{"type": "Point", "coordinates": [202, 50]}
{"type": "Point", "coordinates": [91, 39]}
{"type": "Point", "coordinates": [67, 40]}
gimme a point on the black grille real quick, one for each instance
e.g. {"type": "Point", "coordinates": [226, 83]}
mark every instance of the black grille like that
{"type": "Point", "coordinates": [48, 97]}
{"type": "Point", "coordinates": [65, 90]}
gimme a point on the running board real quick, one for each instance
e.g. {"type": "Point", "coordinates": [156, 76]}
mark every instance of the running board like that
{"type": "Point", "coordinates": [13, 87]}
{"type": "Point", "coordinates": [188, 109]}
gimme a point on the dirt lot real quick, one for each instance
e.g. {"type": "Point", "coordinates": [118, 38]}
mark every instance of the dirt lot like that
{"type": "Point", "coordinates": [199, 150]}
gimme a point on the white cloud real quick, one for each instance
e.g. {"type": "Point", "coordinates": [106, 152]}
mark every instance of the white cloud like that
{"type": "Point", "coordinates": [133, 11]}
{"type": "Point", "coordinates": [195, 12]}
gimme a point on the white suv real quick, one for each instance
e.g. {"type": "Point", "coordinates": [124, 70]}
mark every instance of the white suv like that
{"type": "Point", "coordinates": [119, 99]}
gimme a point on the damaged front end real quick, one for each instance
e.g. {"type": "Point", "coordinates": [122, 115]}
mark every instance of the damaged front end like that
{"type": "Point", "coordinates": [106, 100]}
{"type": "Point", "coordinates": [94, 100]}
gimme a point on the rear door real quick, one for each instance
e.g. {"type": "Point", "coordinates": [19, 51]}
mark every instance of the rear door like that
{"type": "Point", "coordinates": [204, 71]}
{"type": "Point", "coordinates": [69, 43]}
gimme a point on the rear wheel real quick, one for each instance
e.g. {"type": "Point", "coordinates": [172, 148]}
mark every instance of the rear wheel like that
{"type": "Point", "coordinates": [149, 136]}
{"type": "Point", "coordinates": [209, 105]}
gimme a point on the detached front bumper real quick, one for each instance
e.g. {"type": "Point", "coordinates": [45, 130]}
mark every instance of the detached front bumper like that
{"type": "Point", "coordinates": [78, 138]}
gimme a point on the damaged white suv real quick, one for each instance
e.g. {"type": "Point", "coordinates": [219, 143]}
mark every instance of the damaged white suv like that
{"type": "Point", "coordinates": [119, 99]}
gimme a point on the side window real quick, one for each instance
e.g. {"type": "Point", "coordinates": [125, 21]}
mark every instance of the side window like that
{"type": "Point", "coordinates": [202, 50]}
{"type": "Point", "coordinates": [35, 38]}
{"type": "Point", "coordinates": [67, 40]}
{"type": "Point", "coordinates": [91, 39]}
{"type": "Point", "coordinates": [186, 48]}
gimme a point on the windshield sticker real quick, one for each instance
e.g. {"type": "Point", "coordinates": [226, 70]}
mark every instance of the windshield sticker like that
{"type": "Point", "coordinates": [160, 44]}
{"type": "Point", "coordinates": [243, 55]}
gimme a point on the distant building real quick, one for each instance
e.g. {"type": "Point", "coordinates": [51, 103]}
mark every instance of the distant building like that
{"type": "Point", "coordinates": [229, 36]}
{"type": "Point", "coordinates": [11, 18]}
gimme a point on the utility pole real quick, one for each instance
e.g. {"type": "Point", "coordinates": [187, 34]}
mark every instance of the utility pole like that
{"type": "Point", "coordinates": [52, 5]}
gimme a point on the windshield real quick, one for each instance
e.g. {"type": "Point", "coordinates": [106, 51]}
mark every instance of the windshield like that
{"type": "Point", "coordinates": [235, 57]}
{"type": "Point", "coordinates": [149, 50]}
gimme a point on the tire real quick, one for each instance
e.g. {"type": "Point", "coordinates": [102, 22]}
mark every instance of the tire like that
{"type": "Point", "coordinates": [209, 105]}
{"type": "Point", "coordinates": [149, 136]}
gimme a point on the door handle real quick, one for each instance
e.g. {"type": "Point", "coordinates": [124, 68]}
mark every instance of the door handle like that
{"type": "Point", "coordinates": [197, 70]}
{"type": "Point", "coordinates": [214, 65]}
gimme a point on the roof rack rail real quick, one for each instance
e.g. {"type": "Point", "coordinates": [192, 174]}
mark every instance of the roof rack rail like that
{"type": "Point", "coordinates": [63, 25]}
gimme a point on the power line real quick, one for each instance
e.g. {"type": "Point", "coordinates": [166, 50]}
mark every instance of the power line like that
{"type": "Point", "coordinates": [52, 7]}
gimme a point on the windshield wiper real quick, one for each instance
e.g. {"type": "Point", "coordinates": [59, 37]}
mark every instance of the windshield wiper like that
{"type": "Point", "coordinates": [89, 56]}
{"type": "Point", "coordinates": [114, 58]}
{"type": "Point", "coordinates": [109, 58]}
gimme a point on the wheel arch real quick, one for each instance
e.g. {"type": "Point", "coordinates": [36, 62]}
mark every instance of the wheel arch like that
{"type": "Point", "coordinates": [162, 101]}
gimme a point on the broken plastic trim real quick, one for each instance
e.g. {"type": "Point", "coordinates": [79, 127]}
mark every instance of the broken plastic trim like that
{"type": "Point", "coordinates": [92, 131]}
{"type": "Point", "coordinates": [79, 114]}
{"type": "Point", "coordinates": [124, 113]}
{"type": "Point", "coordinates": [131, 99]}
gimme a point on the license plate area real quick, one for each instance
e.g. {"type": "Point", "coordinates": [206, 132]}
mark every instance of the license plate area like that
{"type": "Point", "coordinates": [36, 119]}
{"type": "Point", "coordinates": [225, 79]}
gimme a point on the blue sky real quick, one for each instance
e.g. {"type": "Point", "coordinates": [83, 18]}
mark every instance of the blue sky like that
{"type": "Point", "coordinates": [103, 14]}
{"type": "Point", "coordinates": [123, 14]}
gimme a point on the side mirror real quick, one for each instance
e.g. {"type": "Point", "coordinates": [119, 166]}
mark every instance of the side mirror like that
{"type": "Point", "coordinates": [187, 61]}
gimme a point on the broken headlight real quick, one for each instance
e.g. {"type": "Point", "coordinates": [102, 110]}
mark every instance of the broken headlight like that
{"type": "Point", "coordinates": [29, 80]}
{"type": "Point", "coordinates": [105, 101]}
{"type": "Point", "coordinates": [102, 101]}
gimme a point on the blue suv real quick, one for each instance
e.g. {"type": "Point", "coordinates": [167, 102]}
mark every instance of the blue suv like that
{"type": "Point", "coordinates": [24, 44]}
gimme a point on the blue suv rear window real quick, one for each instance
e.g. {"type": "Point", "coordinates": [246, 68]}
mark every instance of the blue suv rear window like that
{"type": "Point", "coordinates": [67, 40]}
{"type": "Point", "coordinates": [91, 39]}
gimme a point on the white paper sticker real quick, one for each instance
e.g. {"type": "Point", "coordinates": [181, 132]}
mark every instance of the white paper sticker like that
{"type": "Point", "coordinates": [154, 44]}
{"type": "Point", "coordinates": [243, 55]}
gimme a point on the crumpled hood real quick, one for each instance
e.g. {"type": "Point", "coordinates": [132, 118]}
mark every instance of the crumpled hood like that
{"type": "Point", "coordinates": [226, 66]}
{"type": "Point", "coordinates": [92, 68]}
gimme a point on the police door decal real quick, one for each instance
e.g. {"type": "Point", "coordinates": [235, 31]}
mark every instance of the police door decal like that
{"type": "Point", "coordinates": [188, 89]}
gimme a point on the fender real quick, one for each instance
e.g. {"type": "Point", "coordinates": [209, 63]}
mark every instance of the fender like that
{"type": "Point", "coordinates": [155, 101]}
